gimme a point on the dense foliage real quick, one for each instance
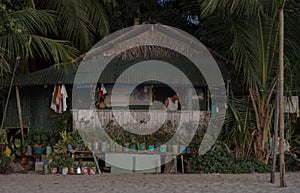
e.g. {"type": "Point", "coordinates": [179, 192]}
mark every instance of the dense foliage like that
{"type": "Point", "coordinates": [220, 160]}
{"type": "Point", "coordinates": [241, 34]}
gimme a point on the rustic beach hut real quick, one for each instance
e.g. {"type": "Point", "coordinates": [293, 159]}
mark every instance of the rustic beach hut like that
{"type": "Point", "coordinates": [35, 89]}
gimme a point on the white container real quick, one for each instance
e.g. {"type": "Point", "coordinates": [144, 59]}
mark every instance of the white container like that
{"type": "Point", "coordinates": [64, 171]}
{"type": "Point", "coordinates": [95, 146]}
{"type": "Point", "coordinates": [104, 146]}
{"type": "Point", "coordinates": [175, 149]}
{"type": "Point", "coordinates": [29, 150]}
{"type": "Point", "coordinates": [54, 170]}
{"type": "Point", "coordinates": [48, 149]}
{"type": "Point", "coordinates": [113, 147]}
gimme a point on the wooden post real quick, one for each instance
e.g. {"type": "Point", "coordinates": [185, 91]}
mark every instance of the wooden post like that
{"type": "Point", "coordinates": [281, 99]}
{"type": "Point", "coordinates": [20, 114]}
{"type": "Point", "coordinates": [275, 136]}
{"type": "Point", "coordinates": [208, 103]}
{"type": "Point", "coordinates": [156, 166]}
{"type": "Point", "coordinates": [9, 91]}
{"type": "Point", "coordinates": [274, 142]}
{"type": "Point", "coordinates": [182, 164]}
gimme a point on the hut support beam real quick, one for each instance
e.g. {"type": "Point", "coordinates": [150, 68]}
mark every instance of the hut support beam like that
{"type": "Point", "coordinates": [281, 99]}
{"type": "Point", "coordinates": [9, 91]}
{"type": "Point", "coordinates": [20, 114]}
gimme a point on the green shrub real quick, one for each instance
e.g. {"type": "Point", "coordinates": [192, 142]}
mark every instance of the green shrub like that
{"type": "Point", "coordinates": [219, 160]}
{"type": "Point", "coordinates": [5, 164]}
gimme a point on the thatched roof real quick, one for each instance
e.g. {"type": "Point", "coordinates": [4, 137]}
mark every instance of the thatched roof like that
{"type": "Point", "coordinates": [112, 50]}
{"type": "Point", "coordinates": [66, 73]}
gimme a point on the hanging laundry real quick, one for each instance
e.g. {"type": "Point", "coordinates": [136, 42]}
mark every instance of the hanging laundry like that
{"type": "Point", "coordinates": [59, 99]}
{"type": "Point", "coordinates": [103, 89]}
{"type": "Point", "coordinates": [100, 94]}
{"type": "Point", "coordinates": [65, 96]}
{"type": "Point", "coordinates": [291, 105]}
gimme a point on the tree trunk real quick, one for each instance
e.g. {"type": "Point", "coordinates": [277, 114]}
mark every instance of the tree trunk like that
{"type": "Point", "coordinates": [263, 114]}
{"type": "Point", "coordinates": [275, 136]}
{"type": "Point", "coordinates": [281, 102]}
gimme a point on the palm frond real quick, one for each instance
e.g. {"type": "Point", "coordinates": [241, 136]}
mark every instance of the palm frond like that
{"type": "Point", "coordinates": [33, 21]}
{"type": "Point", "coordinates": [4, 65]}
{"type": "Point", "coordinates": [72, 21]}
{"type": "Point", "coordinates": [28, 46]}
{"type": "Point", "coordinates": [240, 124]}
{"type": "Point", "coordinates": [239, 8]}
{"type": "Point", "coordinates": [247, 51]}
{"type": "Point", "coordinates": [58, 50]}
{"type": "Point", "coordinates": [79, 21]}
{"type": "Point", "coordinates": [97, 17]}
{"type": "Point", "coordinates": [250, 36]}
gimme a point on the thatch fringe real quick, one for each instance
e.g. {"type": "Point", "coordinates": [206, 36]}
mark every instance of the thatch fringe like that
{"type": "Point", "coordinates": [143, 52]}
{"type": "Point", "coordinates": [148, 52]}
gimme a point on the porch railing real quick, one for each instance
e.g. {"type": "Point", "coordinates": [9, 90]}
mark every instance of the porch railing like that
{"type": "Point", "coordinates": [101, 118]}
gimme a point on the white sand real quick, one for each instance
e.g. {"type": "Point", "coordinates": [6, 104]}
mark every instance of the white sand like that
{"type": "Point", "coordinates": [16, 183]}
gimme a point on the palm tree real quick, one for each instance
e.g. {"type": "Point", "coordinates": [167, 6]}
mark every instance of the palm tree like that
{"type": "Point", "coordinates": [245, 33]}
{"type": "Point", "coordinates": [51, 32]}
{"type": "Point", "coordinates": [28, 36]}
{"type": "Point", "coordinates": [44, 33]}
{"type": "Point", "coordinates": [239, 127]}
{"type": "Point", "coordinates": [81, 22]}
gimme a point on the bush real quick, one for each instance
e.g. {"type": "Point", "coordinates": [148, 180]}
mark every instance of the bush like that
{"type": "Point", "coordinates": [219, 160]}
{"type": "Point", "coordinates": [5, 164]}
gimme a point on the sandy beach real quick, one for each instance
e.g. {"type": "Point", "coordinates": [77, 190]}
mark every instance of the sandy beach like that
{"type": "Point", "coordinates": [23, 183]}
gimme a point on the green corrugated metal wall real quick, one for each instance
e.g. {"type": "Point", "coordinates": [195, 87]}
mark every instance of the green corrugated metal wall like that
{"type": "Point", "coordinates": [36, 112]}
{"type": "Point", "coordinates": [11, 118]}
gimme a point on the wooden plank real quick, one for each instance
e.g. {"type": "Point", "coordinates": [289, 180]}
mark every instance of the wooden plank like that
{"type": "Point", "coordinates": [182, 164]}
{"type": "Point", "coordinates": [283, 182]}
{"type": "Point", "coordinates": [20, 114]}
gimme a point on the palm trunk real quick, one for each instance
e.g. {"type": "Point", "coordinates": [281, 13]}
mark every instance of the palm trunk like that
{"type": "Point", "coordinates": [263, 109]}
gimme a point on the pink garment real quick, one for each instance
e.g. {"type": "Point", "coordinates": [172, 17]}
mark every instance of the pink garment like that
{"type": "Point", "coordinates": [59, 96]}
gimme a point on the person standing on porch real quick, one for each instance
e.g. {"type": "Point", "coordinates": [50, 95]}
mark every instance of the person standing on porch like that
{"type": "Point", "coordinates": [172, 103]}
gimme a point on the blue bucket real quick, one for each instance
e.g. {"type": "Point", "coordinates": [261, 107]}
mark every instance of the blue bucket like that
{"type": "Point", "coordinates": [163, 148]}
{"type": "Point", "coordinates": [39, 150]}
{"type": "Point", "coordinates": [142, 147]}
{"type": "Point", "coordinates": [132, 147]}
{"type": "Point", "coordinates": [183, 149]}
{"type": "Point", "coordinates": [151, 148]}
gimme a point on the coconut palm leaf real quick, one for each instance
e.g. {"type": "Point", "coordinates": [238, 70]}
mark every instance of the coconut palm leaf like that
{"type": "Point", "coordinates": [249, 33]}
{"type": "Point", "coordinates": [72, 22]}
{"type": "Point", "coordinates": [57, 49]}
{"type": "Point", "coordinates": [98, 17]}
{"type": "Point", "coordinates": [33, 21]}
{"type": "Point", "coordinates": [292, 47]}
{"type": "Point", "coordinates": [33, 39]}
{"type": "Point", "coordinates": [250, 37]}
{"type": "Point", "coordinates": [240, 126]}
{"type": "Point", "coordinates": [78, 21]}
{"type": "Point", "coordinates": [28, 46]}
{"type": "Point", "coordinates": [235, 7]}
{"type": "Point", "coordinates": [4, 66]}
